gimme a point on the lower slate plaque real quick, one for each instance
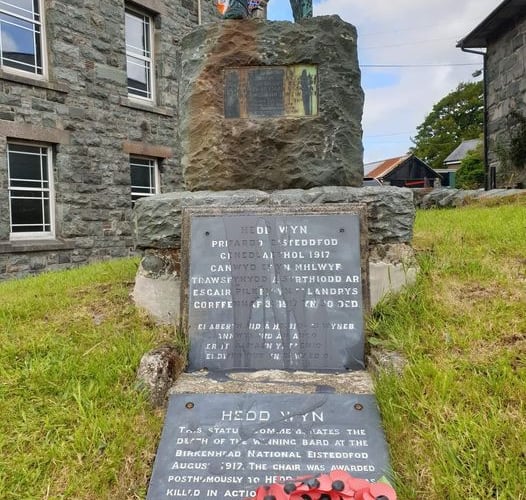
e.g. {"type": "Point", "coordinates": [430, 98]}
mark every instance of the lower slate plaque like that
{"type": "Point", "coordinates": [274, 290]}
{"type": "Point", "coordinates": [225, 446]}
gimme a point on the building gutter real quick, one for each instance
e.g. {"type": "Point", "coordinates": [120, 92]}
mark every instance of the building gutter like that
{"type": "Point", "coordinates": [490, 177]}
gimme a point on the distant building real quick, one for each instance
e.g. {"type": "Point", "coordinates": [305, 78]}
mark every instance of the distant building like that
{"type": "Point", "coordinates": [88, 123]}
{"type": "Point", "coordinates": [503, 36]}
{"type": "Point", "coordinates": [402, 171]}
{"type": "Point", "coordinates": [452, 162]}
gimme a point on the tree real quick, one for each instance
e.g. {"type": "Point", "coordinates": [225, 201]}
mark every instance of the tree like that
{"type": "Point", "coordinates": [458, 116]}
{"type": "Point", "coordinates": [471, 173]}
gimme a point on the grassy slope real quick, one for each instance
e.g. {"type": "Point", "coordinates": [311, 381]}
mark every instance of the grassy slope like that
{"type": "Point", "coordinates": [72, 424]}
{"type": "Point", "coordinates": [74, 427]}
{"type": "Point", "coordinates": [456, 419]}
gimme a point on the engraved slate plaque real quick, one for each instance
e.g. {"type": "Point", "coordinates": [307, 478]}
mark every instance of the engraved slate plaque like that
{"type": "Point", "coordinates": [266, 89]}
{"type": "Point", "coordinates": [232, 109]}
{"type": "Point", "coordinates": [225, 446]}
{"type": "Point", "coordinates": [275, 289]}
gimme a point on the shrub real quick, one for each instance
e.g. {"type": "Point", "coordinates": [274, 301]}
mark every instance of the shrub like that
{"type": "Point", "coordinates": [471, 173]}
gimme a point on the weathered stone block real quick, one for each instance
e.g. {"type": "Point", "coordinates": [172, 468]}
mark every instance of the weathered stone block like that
{"type": "Point", "coordinates": [158, 371]}
{"type": "Point", "coordinates": [390, 217]}
{"type": "Point", "coordinates": [270, 148]}
{"type": "Point", "coordinates": [158, 218]}
{"type": "Point", "coordinates": [390, 211]}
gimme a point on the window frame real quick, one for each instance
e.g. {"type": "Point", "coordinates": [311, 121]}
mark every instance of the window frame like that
{"type": "Point", "coordinates": [42, 53]}
{"type": "Point", "coordinates": [144, 14]}
{"type": "Point", "coordinates": [50, 190]}
{"type": "Point", "coordinates": [156, 177]}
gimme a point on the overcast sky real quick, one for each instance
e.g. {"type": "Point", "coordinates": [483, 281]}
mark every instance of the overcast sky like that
{"type": "Point", "coordinates": [404, 32]}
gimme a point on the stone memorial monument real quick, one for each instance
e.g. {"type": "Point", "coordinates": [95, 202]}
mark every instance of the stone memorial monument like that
{"type": "Point", "coordinates": [266, 290]}
{"type": "Point", "coordinates": [271, 105]}
{"type": "Point", "coordinates": [275, 252]}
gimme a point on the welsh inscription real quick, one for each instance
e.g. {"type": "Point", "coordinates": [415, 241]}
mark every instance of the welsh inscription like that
{"type": "Point", "coordinates": [266, 89]}
{"type": "Point", "coordinates": [225, 446]}
{"type": "Point", "coordinates": [275, 292]}
{"type": "Point", "coordinates": [232, 109]}
{"type": "Point", "coordinates": [266, 92]}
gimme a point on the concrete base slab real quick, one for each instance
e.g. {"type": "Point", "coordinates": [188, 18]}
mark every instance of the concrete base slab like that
{"type": "Point", "coordinates": [273, 382]}
{"type": "Point", "coordinates": [387, 278]}
{"type": "Point", "coordinates": [159, 297]}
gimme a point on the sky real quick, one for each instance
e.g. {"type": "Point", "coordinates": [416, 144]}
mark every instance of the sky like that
{"type": "Point", "coordinates": [420, 36]}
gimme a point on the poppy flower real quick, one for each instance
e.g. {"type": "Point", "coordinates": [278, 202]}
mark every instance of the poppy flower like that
{"type": "Point", "coordinates": [337, 485]}
{"type": "Point", "coordinates": [272, 492]}
{"type": "Point", "coordinates": [332, 486]}
{"type": "Point", "coordinates": [376, 491]}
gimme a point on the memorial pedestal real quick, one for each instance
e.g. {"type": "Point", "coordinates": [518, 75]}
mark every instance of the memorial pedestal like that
{"type": "Point", "coordinates": [278, 291]}
{"type": "Point", "coordinates": [267, 289]}
{"type": "Point", "coordinates": [270, 105]}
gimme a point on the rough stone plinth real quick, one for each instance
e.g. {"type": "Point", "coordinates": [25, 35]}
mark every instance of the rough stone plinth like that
{"type": "Point", "coordinates": [390, 217]}
{"type": "Point", "coordinates": [390, 210]}
{"type": "Point", "coordinates": [271, 152]}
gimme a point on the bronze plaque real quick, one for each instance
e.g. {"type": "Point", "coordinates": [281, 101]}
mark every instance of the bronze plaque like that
{"type": "Point", "coordinates": [273, 91]}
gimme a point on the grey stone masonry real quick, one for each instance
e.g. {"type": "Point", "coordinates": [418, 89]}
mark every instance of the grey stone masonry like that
{"type": "Point", "coordinates": [157, 220]}
{"type": "Point", "coordinates": [506, 77]}
{"type": "Point", "coordinates": [81, 108]}
{"type": "Point", "coordinates": [390, 210]}
{"type": "Point", "coordinates": [453, 198]}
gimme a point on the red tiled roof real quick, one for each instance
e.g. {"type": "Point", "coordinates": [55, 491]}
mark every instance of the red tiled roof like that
{"type": "Point", "coordinates": [384, 167]}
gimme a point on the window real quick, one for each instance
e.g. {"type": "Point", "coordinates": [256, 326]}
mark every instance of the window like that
{"type": "Point", "coordinates": [139, 56]}
{"type": "Point", "coordinates": [21, 39]}
{"type": "Point", "coordinates": [144, 177]}
{"type": "Point", "coordinates": [30, 191]}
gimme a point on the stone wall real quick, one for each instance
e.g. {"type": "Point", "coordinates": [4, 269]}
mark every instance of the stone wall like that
{"type": "Point", "coordinates": [506, 92]}
{"type": "Point", "coordinates": [454, 198]}
{"type": "Point", "coordinates": [83, 111]}
{"type": "Point", "coordinates": [157, 220]}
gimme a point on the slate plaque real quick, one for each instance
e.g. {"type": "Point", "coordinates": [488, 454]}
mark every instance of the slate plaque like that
{"type": "Point", "coordinates": [275, 289]}
{"type": "Point", "coordinates": [271, 91]}
{"type": "Point", "coordinates": [266, 89]}
{"type": "Point", "coordinates": [232, 95]}
{"type": "Point", "coordinates": [225, 446]}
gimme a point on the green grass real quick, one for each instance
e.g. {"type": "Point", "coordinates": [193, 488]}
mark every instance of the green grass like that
{"type": "Point", "coordinates": [72, 423]}
{"type": "Point", "coordinates": [456, 419]}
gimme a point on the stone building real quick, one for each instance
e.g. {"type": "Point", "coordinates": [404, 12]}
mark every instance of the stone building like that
{"type": "Point", "coordinates": [88, 123]}
{"type": "Point", "coordinates": [503, 36]}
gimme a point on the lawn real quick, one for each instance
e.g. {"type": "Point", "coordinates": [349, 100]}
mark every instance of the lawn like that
{"type": "Point", "coordinates": [74, 425]}
{"type": "Point", "coordinates": [456, 418]}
